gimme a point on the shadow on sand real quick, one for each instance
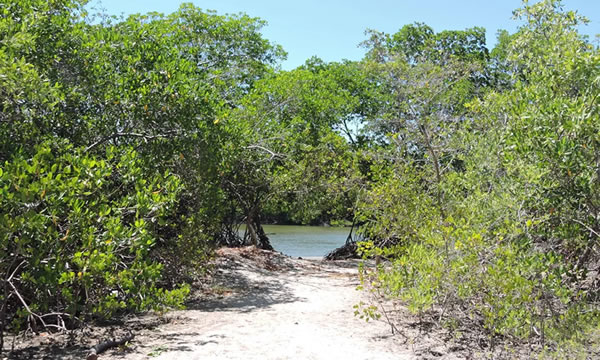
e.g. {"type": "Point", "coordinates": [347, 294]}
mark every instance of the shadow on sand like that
{"type": "Point", "coordinates": [246, 291]}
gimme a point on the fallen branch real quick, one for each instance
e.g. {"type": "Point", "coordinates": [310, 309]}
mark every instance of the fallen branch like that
{"type": "Point", "coordinates": [103, 346]}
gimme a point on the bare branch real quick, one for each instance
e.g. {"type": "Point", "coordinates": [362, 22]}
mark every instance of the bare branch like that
{"type": "Point", "coordinates": [587, 227]}
{"type": "Point", "coordinates": [146, 137]}
{"type": "Point", "coordinates": [270, 152]}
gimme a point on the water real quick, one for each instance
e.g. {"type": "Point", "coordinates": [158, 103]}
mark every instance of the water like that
{"type": "Point", "coordinates": [305, 241]}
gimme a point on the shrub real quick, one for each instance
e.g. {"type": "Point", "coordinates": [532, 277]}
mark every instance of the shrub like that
{"type": "Point", "coordinates": [75, 235]}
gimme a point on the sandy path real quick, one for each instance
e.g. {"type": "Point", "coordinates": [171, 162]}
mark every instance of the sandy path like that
{"type": "Point", "coordinates": [257, 305]}
{"type": "Point", "coordinates": [303, 311]}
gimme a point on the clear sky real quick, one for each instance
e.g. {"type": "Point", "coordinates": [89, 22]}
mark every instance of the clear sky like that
{"type": "Point", "coordinates": [332, 29]}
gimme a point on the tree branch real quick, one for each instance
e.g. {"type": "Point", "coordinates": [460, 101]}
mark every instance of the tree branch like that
{"type": "Point", "coordinates": [270, 152]}
{"type": "Point", "coordinates": [146, 137]}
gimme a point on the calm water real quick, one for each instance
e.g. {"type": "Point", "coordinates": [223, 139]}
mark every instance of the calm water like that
{"type": "Point", "coordinates": [305, 240]}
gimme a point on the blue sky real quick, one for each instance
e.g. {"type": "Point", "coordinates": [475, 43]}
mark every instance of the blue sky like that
{"type": "Point", "coordinates": [332, 29]}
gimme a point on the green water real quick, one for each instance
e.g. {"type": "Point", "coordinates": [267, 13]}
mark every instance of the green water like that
{"type": "Point", "coordinates": [306, 240]}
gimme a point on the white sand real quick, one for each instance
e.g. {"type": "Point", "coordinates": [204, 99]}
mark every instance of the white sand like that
{"type": "Point", "coordinates": [302, 312]}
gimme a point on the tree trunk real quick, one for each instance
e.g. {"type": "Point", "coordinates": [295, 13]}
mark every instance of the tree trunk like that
{"type": "Point", "coordinates": [263, 239]}
{"type": "Point", "coordinates": [257, 234]}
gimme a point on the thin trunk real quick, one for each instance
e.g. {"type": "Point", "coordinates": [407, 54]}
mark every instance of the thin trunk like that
{"type": "Point", "coordinates": [436, 167]}
{"type": "Point", "coordinates": [3, 316]}
{"type": "Point", "coordinates": [263, 239]}
{"type": "Point", "coordinates": [251, 231]}
{"type": "Point", "coordinates": [438, 178]}
{"type": "Point", "coordinates": [256, 231]}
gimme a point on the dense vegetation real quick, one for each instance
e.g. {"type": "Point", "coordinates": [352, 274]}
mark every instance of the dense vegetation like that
{"type": "Point", "coordinates": [126, 143]}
